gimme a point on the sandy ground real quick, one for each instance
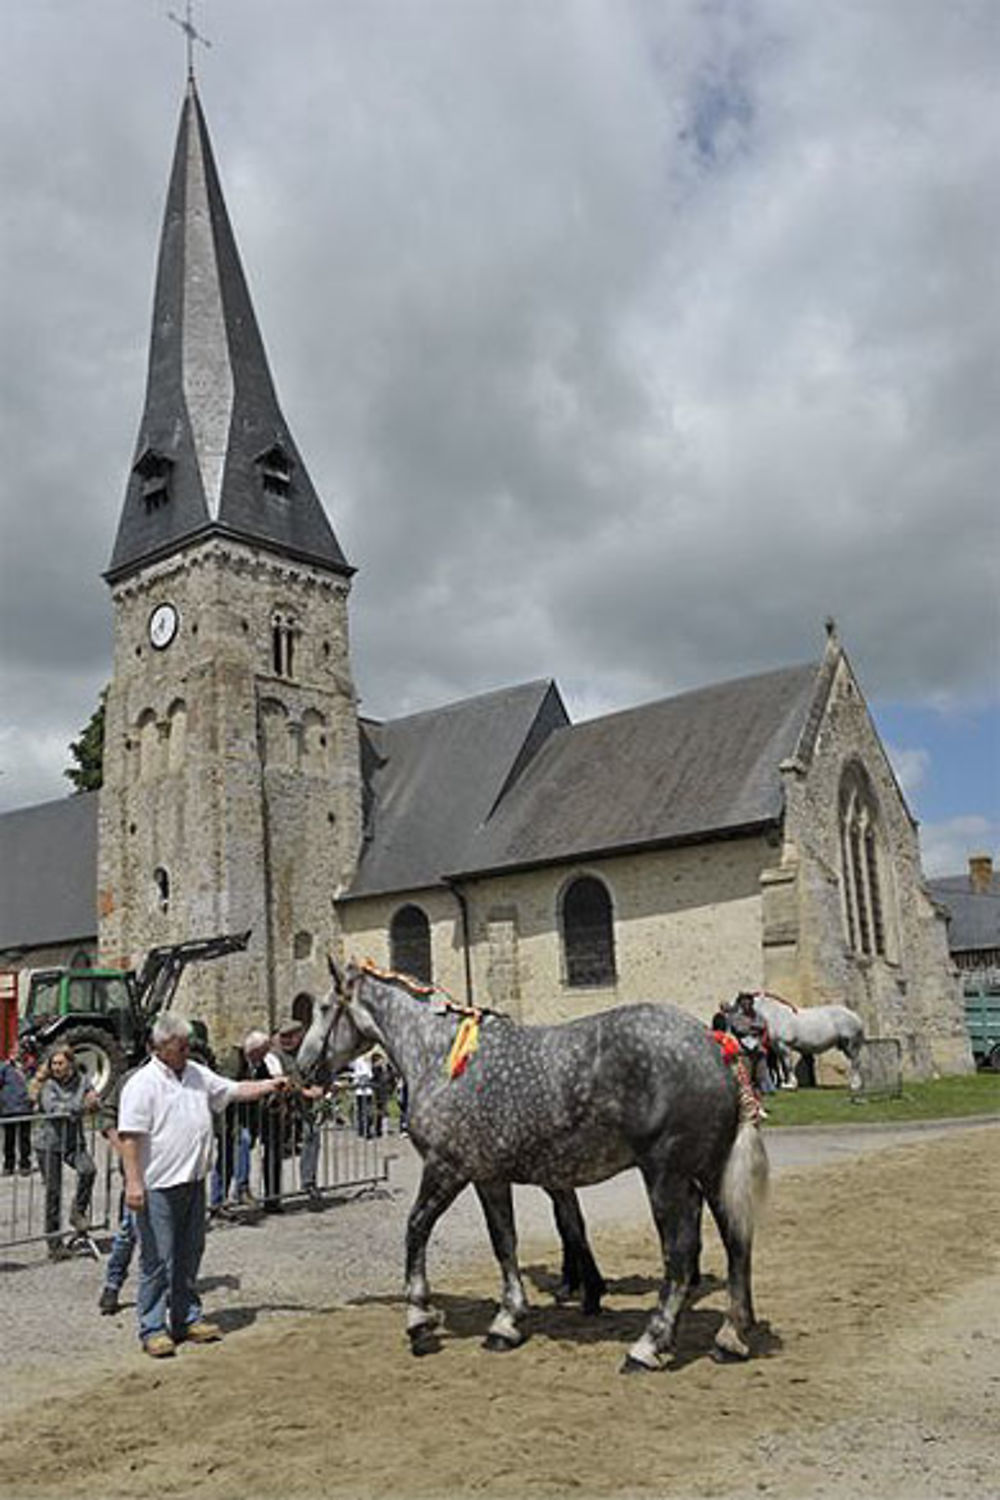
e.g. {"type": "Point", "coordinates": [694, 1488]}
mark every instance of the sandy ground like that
{"type": "Point", "coordinates": [877, 1368]}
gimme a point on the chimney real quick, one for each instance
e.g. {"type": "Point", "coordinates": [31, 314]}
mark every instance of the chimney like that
{"type": "Point", "coordinates": [980, 874]}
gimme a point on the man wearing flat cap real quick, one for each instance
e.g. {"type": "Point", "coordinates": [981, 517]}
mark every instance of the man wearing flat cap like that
{"type": "Point", "coordinates": [290, 1120]}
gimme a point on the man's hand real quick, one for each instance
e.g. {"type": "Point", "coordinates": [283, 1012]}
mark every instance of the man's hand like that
{"type": "Point", "coordinates": [135, 1193]}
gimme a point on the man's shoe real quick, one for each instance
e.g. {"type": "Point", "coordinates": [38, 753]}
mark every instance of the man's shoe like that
{"type": "Point", "coordinates": [202, 1332]}
{"type": "Point", "coordinates": [8, 1171]}
{"type": "Point", "coordinates": [315, 1199]}
{"type": "Point", "coordinates": [59, 1251]}
{"type": "Point", "coordinates": [159, 1346]}
{"type": "Point", "coordinates": [108, 1300]}
{"type": "Point", "coordinates": [245, 1197]}
{"type": "Point", "coordinates": [26, 1170]}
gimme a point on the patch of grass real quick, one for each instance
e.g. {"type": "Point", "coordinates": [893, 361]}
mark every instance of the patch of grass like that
{"type": "Point", "coordinates": [934, 1099]}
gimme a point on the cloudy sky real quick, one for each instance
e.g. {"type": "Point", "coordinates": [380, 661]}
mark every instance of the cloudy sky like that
{"type": "Point", "coordinates": [625, 340]}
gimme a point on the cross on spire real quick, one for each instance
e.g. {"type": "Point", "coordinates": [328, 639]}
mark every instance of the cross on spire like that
{"type": "Point", "coordinates": [191, 33]}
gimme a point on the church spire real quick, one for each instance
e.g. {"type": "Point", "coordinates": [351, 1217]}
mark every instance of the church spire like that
{"type": "Point", "coordinates": [214, 455]}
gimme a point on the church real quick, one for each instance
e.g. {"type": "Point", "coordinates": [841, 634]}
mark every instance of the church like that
{"type": "Point", "coordinates": [749, 834]}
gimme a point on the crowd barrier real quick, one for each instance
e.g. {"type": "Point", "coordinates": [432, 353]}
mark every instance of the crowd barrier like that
{"type": "Point", "coordinates": [344, 1160]}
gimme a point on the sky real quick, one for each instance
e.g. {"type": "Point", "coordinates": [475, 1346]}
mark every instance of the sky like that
{"type": "Point", "coordinates": [625, 341]}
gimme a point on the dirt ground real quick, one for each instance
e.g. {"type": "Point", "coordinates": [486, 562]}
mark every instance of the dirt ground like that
{"type": "Point", "coordinates": [877, 1373]}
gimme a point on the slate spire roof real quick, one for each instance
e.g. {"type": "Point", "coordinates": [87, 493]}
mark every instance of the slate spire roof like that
{"type": "Point", "coordinates": [214, 454]}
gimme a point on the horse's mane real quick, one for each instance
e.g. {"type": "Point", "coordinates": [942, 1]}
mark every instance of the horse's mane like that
{"type": "Point", "coordinates": [420, 990]}
{"type": "Point", "coordinates": [770, 995]}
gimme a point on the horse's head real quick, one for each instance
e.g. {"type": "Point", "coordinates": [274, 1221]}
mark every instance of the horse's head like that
{"type": "Point", "coordinates": [341, 1026]}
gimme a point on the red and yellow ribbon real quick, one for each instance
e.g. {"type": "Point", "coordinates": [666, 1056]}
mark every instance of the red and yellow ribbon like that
{"type": "Point", "coordinates": [465, 1044]}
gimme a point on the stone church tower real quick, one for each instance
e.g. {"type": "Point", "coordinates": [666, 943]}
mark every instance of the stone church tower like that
{"type": "Point", "coordinates": [232, 794]}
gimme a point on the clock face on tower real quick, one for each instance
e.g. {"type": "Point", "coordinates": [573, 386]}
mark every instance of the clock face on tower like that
{"type": "Point", "coordinates": [162, 626]}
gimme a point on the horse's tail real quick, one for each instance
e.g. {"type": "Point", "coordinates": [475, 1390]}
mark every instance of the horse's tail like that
{"type": "Point", "coordinates": [743, 1191]}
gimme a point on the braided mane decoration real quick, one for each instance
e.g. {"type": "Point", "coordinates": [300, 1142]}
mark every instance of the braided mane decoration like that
{"type": "Point", "coordinates": [467, 1036]}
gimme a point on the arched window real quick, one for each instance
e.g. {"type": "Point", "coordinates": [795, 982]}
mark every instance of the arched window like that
{"type": "Point", "coordinates": [862, 864]}
{"type": "Point", "coordinates": [277, 741]}
{"type": "Point", "coordinates": [588, 933]}
{"type": "Point", "coordinates": [161, 885]}
{"type": "Point", "coordinates": [302, 1008]}
{"type": "Point", "coordinates": [410, 943]}
{"type": "Point", "coordinates": [314, 743]}
{"type": "Point", "coordinates": [149, 745]}
{"type": "Point", "coordinates": [176, 734]}
{"type": "Point", "coordinates": [284, 634]}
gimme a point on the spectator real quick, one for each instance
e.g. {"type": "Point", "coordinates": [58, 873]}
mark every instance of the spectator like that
{"type": "Point", "coordinates": [165, 1133]}
{"type": "Point", "coordinates": [15, 1101]}
{"type": "Point", "coordinates": [235, 1134]}
{"type": "Point", "coordinates": [381, 1090]}
{"type": "Point", "coordinates": [263, 1062]}
{"type": "Point", "coordinates": [299, 1118]}
{"type": "Point", "coordinates": [125, 1237]}
{"type": "Point", "coordinates": [362, 1078]}
{"type": "Point", "coordinates": [64, 1096]}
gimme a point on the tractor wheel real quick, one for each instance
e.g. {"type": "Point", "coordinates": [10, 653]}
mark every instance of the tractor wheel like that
{"type": "Point", "coordinates": [98, 1053]}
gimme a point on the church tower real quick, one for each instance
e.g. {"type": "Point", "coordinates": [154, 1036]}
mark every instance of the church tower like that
{"type": "Point", "coordinates": [232, 794]}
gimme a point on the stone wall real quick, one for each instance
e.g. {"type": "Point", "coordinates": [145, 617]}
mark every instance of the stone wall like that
{"type": "Point", "coordinates": [911, 991]}
{"type": "Point", "coordinates": [687, 929]}
{"type": "Point", "coordinates": [238, 781]}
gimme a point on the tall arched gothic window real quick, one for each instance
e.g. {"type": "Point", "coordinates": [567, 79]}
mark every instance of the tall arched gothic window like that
{"type": "Point", "coordinates": [862, 864]}
{"type": "Point", "coordinates": [410, 943]}
{"type": "Point", "coordinates": [588, 933]}
{"type": "Point", "coordinates": [284, 635]}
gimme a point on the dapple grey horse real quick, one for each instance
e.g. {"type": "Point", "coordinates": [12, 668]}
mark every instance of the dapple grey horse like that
{"type": "Point", "coordinates": [562, 1106]}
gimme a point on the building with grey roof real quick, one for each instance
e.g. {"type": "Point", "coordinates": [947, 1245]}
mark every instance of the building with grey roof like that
{"type": "Point", "coordinates": [749, 834]}
{"type": "Point", "coordinates": [972, 902]}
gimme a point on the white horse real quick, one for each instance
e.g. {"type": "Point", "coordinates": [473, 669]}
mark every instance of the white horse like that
{"type": "Point", "coordinates": [814, 1028]}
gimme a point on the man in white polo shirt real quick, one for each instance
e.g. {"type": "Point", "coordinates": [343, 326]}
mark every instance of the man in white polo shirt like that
{"type": "Point", "coordinates": [166, 1138]}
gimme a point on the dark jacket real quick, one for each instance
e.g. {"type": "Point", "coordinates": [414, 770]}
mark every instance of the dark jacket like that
{"type": "Point", "coordinates": [14, 1096]}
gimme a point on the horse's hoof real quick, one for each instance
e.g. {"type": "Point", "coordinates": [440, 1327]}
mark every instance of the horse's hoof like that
{"type": "Point", "coordinates": [729, 1356]}
{"type": "Point", "coordinates": [424, 1340]}
{"type": "Point", "coordinates": [630, 1366]}
{"type": "Point", "coordinates": [426, 1343]}
{"type": "Point", "coordinates": [495, 1343]}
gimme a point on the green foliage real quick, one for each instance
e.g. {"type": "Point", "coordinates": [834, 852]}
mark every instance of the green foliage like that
{"type": "Point", "coordinates": [935, 1099]}
{"type": "Point", "coordinates": [88, 752]}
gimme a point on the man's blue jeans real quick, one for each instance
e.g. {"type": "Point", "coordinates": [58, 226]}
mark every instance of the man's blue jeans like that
{"type": "Point", "coordinates": [122, 1247]}
{"type": "Point", "coordinates": [223, 1158]}
{"type": "Point", "coordinates": [171, 1242]}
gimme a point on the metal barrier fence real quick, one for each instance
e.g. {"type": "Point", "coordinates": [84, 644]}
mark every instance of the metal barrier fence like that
{"type": "Point", "coordinates": [881, 1069]}
{"type": "Point", "coordinates": [341, 1159]}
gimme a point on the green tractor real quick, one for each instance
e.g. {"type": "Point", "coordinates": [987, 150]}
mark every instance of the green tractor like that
{"type": "Point", "coordinates": [106, 1015]}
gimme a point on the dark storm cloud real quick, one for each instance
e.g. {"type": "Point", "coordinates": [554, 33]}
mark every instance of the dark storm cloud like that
{"type": "Point", "coordinates": [624, 341]}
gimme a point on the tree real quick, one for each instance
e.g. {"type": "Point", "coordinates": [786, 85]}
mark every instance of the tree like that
{"type": "Point", "coordinates": [88, 752]}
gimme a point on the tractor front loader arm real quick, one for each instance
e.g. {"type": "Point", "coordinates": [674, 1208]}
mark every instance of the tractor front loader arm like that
{"type": "Point", "coordinates": [156, 982]}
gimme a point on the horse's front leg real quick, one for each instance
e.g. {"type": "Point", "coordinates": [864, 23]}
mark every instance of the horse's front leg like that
{"type": "Point", "coordinates": [439, 1187]}
{"type": "Point", "coordinates": [498, 1206]}
{"type": "Point", "coordinates": [676, 1205]}
{"type": "Point", "coordinates": [788, 1062]}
